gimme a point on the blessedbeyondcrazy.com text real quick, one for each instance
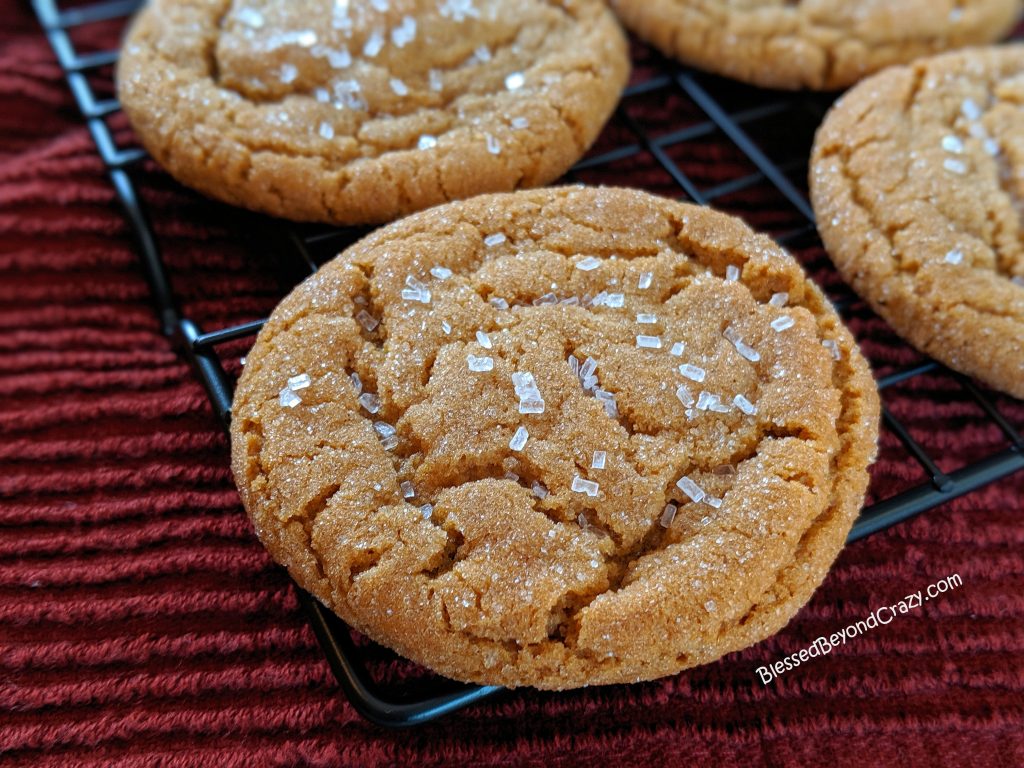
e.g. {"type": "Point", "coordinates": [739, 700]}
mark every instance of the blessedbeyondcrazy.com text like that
{"type": "Point", "coordinates": [878, 617]}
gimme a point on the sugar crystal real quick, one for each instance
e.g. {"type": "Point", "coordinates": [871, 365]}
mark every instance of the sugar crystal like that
{"type": "Point", "coordinates": [953, 144]}
{"type": "Point", "coordinates": [411, 294]}
{"type": "Point", "coordinates": [608, 401]}
{"type": "Point", "coordinates": [692, 372]}
{"type": "Point", "coordinates": [368, 321]}
{"type": "Point", "coordinates": [340, 59]}
{"type": "Point", "coordinates": [690, 488]}
{"type": "Point", "coordinates": [288, 399]}
{"type": "Point", "coordinates": [684, 395]}
{"type": "Point", "coordinates": [547, 298]}
{"type": "Point", "coordinates": [519, 439]}
{"type": "Point", "coordinates": [374, 44]}
{"type": "Point", "coordinates": [744, 349]}
{"type": "Point", "coordinates": [744, 405]}
{"type": "Point", "coordinates": [588, 367]}
{"type": "Point", "coordinates": [707, 401]}
{"type": "Point", "coordinates": [589, 487]}
{"type": "Point", "coordinates": [250, 17]}
{"type": "Point", "coordinates": [405, 33]}
{"type": "Point", "coordinates": [954, 166]}
{"type": "Point", "coordinates": [970, 109]}
{"type": "Point", "coordinates": [370, 402]}
{"type": "Point", "coordinates": [480, 364]}
{"type": "Point", "coordinates": [515, 81]}
{"type": "Point", "coordinates": [416, 291]}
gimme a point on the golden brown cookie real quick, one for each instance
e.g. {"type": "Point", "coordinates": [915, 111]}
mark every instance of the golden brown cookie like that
{"type": "Point", "coordinates": [556, 438]}
{"type": "Point", "coordinates": [362, 111]}
{"type": "Point", "coordinates": [822, 44]}
{"type": "Point", "coordinates": [917, 180]}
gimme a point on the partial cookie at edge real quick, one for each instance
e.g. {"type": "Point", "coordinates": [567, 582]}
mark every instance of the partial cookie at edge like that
{"type": "Point", "coordinates": [819, 45]}
{"type": "Point", "coordinates": [376, 115]}
{"type": "Point", "coordinates": [916, 183]}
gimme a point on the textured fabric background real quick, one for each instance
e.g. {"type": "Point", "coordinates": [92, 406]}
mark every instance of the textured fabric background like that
{"type": "Point", "coordinates": [141, 623]}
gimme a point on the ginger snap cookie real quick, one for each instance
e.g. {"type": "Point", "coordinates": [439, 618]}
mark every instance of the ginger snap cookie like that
{"type": "Point", "coordinates": [362, 111]}
{"type": "Point", "coordinates": [917, 180]}
{"type": "Point", "coordinates": [557, 437]}
{"type": "Point", "coordinates": [820, 44]}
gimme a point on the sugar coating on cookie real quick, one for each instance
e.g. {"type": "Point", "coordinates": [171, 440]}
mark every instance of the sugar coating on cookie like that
{"type": "Point", "coordinates": [917, 180]}
{"type": "Point", "coordinates": [821, 44]}
{"type": "Point", "coordinates": [508, 522]}
{"type": "Point", "coordinates": [359, 112]}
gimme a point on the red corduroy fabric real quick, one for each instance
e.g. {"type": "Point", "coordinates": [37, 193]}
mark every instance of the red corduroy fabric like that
{"type": "Point", "coordinates": [141, 623]}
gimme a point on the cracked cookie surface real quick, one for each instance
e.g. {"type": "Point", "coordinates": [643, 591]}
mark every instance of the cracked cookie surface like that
{"type": "Point", "coordinates": [557, 437]}
{"type": "Point", "coordinates": [917, 180]}
{"type": "Point", "coordinates": [362, 112]}
{"type": "Point", "coordinates": [820, 44]}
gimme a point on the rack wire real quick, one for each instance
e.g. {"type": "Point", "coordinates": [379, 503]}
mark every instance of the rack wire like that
{"type": "Point", "coordinates": [717, 117]}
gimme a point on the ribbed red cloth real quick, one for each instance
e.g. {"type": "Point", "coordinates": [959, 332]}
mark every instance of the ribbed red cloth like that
{"type": "Point", "coordinates": [141, 623]}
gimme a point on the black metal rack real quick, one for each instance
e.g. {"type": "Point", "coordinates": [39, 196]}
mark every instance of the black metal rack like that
{"type": "Point", "coordinates": [724, 112]}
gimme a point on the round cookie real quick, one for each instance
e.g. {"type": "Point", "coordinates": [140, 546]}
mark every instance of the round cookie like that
{"type": "Point", "coordinates": [361, 112]}
{"type": "Point", "coordinates": [917, 180]}
{"type": "Point", "coordinates": [463, 433]}
{"type": "Point", "coordinates": [821, 44]}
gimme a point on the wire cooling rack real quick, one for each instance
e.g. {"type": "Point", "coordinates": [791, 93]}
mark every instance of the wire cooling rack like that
{"type": "Point", "coordinates": [712, 126]}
